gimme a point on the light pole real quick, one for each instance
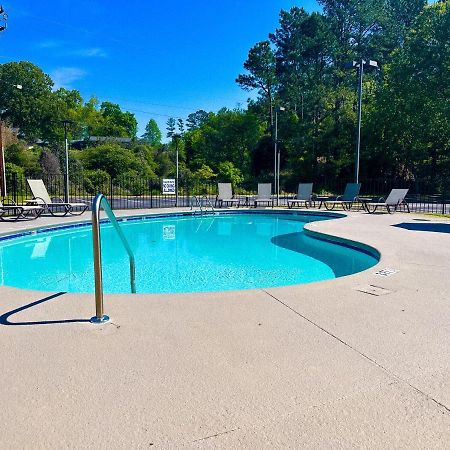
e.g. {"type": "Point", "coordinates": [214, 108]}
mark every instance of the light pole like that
{"type": "Point", "coordinates": [2, 151]}
{"type": "Point", "coordinates": [66, 123]}
{"type": "Point", "coordinates": [359, 66]}
{"type": "Point", "coordinates": [176, 138]}
{"type": "Point", "coordinates": [277, 155]}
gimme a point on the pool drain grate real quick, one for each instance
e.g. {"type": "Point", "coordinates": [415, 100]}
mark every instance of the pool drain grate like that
{"type": "Point", "coordinates": [387, 272]}
{"type": "Point", "coordinates": [371, 289]}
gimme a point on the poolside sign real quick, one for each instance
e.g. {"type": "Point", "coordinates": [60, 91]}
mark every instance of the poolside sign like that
{"type": "Point", "coordinates": [168, 186]}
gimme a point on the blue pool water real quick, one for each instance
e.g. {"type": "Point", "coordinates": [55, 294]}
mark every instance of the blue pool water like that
{"type": "Point", "coordinates": [181, 254]}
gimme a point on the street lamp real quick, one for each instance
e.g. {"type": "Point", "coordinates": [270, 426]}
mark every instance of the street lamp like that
{"type": "Point", "coordinates": [359, 66]}
{"type": "Point", "coordinates": [66, 123]}
{"type": "Point", "coordinates": [176, 138]}
{"type": "Point", "coordinates": [277, 155]}
{"type": "Point", "coordinates": [2, 151]}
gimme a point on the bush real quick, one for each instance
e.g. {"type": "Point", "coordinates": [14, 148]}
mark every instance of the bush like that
{"type": "Point", "coordinates": [228, 172]}
{"type": "Point", "coordinates": [95, 181]}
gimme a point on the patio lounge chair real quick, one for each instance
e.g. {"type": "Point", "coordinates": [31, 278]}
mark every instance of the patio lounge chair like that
{"type": "Point", "coordinates": [20, 211]}
{"type": "Point", "coordinates": [264, 194]}
{"type": "Point", "coordinates": [225, 195]}
{"type": "Point", "coordinates": [395, 199]}
{"type": "Point", "coordinates": [59, 208]}
{"type": "Point", "coordinates": [346, 201]}
{"type": "Point", "coordinates": [304, 195]}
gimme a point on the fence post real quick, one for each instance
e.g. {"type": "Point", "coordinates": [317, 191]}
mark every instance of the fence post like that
{"type": "Point", "coordinates": [111, 193]}
{"type": "Point", "coordinates": [151, 194]}
{"type": "Point", "coordinates": [14, 195]}
{"type": "Point", "coordinates": [443, 201]}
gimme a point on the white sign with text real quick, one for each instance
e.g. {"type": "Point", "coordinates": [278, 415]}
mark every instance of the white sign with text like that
{"type": "Point", "coordinates": [168, 186]}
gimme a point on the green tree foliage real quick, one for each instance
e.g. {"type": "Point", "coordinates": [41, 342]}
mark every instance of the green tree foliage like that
{"type": "Point", "coordinates": [229, 135]}
{"type": "Point", "coordinates": [19, 155]}
{"type": "Point", "coordinates": [180, 125]}
{"type": "Point", "coordinates": [152, 133]}
{"type": "Point", "coordinates": [317, 131]}
{"type": "Point", "coordinates": [38, 111]}
{"type": "Point", "coordinates": [116, 123]}
{"type": "Point", "coordinates": [228, 172]}
{"type": "Point", "coordinates": [195, 120]}
{"type": "Point", "coordinates": [261, 75]}
{"type": "Point", "coordinates": [111, 158]}
{"type": "Point", "coordinates": [204, 173]}
{"type": "Point", "coordinates": [410, 125]}
{"type": "Point", "coordinates": [170, 127]}
{"type": "Point", "coordinates": [30, 108]}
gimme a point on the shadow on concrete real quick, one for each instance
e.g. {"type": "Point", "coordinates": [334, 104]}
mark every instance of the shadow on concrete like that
{"type": "Point", "coordinates": [4, 318]}
{"type": "Point", "coordinates": [431, 227]}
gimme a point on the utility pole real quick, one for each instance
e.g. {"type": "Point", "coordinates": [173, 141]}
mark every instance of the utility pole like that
{"type": "Point", "coordinates": [277, 158]}
{"type": "Point", "coordinates": [3, 17]}
{"type": "Point", "coordinates": [66, 123]}
{"type": "Point", "coordinates": [176, 138]}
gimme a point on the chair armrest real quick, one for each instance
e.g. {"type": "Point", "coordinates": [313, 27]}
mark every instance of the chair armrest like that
{"type": "Point", "coordinates": [57, 200]}
{"type": "Point", "coordinates": [36, 201]}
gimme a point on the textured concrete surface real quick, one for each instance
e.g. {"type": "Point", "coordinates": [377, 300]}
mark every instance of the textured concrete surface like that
{"type": "Point", "coordinates": [316, 366]}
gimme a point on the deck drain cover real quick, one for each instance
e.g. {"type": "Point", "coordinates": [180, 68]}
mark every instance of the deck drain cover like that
{"type": "Point", "coordinates": [387, 272]}
{"type": "Point", "coordinates": [373, 290]}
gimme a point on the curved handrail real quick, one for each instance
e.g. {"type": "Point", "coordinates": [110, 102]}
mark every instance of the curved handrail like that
{"type": "Point", "coordinates": [99, 201]}
{"type": "Point", "coordinates": [194, 197]}
{"type": "Point", "coordinates": [208, 201]}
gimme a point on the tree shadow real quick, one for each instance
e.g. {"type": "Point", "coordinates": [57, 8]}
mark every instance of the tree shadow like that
{"type": "Point", "coordinates": [4, 318]}
{"type": "Point", "coordinates": [430, 227]}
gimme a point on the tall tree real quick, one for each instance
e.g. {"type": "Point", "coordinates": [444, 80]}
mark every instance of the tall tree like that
{"type": "Point", "coordinates": [31, 108]}
{"type": "Point", "coordinates": [195, 120]}
{"type": "Point", "coordinates": [262, 73]}
{"type": "Point", "coordinates": [116, 122]}
{"type": "Point", "coordinates": [411, 123]}
{"type": "Point", "coordinates": [170, 127]}
{"type": "Point", "coordinates": [180, 125]}
{"type": "Point", "coordinates": [152, 133]}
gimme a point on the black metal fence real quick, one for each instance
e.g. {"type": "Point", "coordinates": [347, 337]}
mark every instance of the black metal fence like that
{"type": "Point", "coordinates": [142, 193]}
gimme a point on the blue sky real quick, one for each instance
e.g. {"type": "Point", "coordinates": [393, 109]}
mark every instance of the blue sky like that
{"type": "Point", "coordinates": [156, 59]}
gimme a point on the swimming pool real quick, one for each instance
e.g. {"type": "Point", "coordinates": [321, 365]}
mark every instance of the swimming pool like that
{"type": "Point", "coordinates": [182, 253]}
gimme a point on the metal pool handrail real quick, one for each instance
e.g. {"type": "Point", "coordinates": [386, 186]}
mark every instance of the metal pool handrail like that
{"type": "Point", "coordinates": [200, 204]}
{"type": "Point", "coordinates": [197, 201]}
{"type": "Point", "coordinates": [99, 201]}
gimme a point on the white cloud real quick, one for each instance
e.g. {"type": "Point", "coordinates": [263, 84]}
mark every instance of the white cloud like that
{"type": "Point", "coordinates": [49, 43]}
{"type": "Point", "coordinates": [93, 52]}
{"type": "Point", "coordinates": [65, 76]}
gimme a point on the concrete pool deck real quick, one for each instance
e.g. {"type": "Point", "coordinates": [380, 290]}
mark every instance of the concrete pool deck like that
{"type": "Point", "coordinates": [357, 362]}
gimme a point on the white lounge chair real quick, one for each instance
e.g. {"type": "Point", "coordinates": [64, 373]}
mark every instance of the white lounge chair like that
{"type": "Point", "coordinates": [264, 194]}
{"type": "Point", "coordinates": [346, 201]}
{"type": "Point", "coordinates": [304, 195]}
{"type": "Point", "coordinates": [395, 199]}
{"type": "Point", "coordinates": [59, 208]}
{"type": "Point", "coordinates": [225, 195]}
{"type": "Point", "coordinates": [20, 211]}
